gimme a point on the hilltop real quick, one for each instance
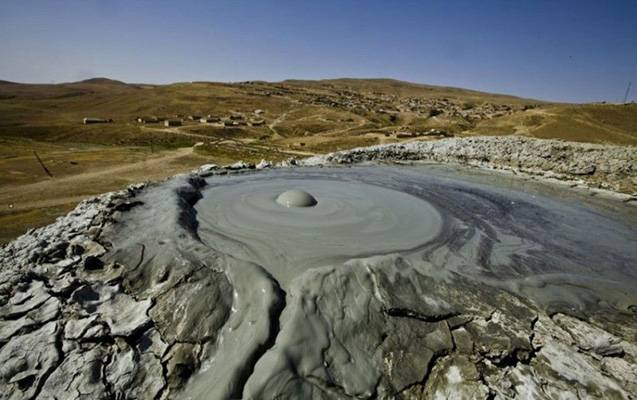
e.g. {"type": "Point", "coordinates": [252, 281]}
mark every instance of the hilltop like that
{"type": "Point", "coordinates": [242, 121]}
{"type": "Point", "coordinates": [406, 89]}
{"type": "Point", "coordinates": [103, 81]}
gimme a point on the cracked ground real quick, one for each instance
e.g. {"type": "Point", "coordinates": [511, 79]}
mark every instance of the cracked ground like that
{"type": "Point", "coordinates": [109, 303]}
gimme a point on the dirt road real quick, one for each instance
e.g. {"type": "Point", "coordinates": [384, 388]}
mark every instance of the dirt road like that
{"type": "Point", "coordinates": [36, 204]}
{"type": "Point", "coordinates": [57, 191]}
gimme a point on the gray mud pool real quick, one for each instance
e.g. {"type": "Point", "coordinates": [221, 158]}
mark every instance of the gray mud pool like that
{"type": "Point", "coordinates": [444, 223]}
{"type": "Point", "coordinates": [378, 281]}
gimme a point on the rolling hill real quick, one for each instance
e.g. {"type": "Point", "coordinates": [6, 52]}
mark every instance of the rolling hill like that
{"type": "Point", "coordinates": [246, 120]}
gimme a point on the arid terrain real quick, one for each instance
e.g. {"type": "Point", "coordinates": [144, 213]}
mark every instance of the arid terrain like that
{"type": "Point", "coordinates": [224, 123]}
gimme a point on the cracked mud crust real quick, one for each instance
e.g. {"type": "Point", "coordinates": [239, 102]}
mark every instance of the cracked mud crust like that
{"type": "Point", "coordinates": [122, 298]}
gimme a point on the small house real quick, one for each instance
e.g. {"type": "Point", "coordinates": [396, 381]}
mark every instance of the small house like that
{"type": "Point", "coordinates": [91, 120]}
{"type": "Point", "coordinates": [172, 122]}
{"type": "Point", "coordinates": [148, 120]}
{"type": "Point", "coordinates": [257, 122]}
{"type": "Point", "coordinates": [403, 135]}
{"type": "Point", "coordinates": [209, 120]}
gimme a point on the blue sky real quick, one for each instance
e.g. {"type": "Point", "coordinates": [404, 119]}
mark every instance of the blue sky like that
{"type": "Point", "coordinates": [558, 50]}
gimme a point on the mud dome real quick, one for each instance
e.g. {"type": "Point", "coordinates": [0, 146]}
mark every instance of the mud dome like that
{"type": "Point", "coordinates": [296, 198]}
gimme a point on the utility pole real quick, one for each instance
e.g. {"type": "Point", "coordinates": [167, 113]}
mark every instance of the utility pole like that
{"type": "Point", "coordinates": [627, 92]}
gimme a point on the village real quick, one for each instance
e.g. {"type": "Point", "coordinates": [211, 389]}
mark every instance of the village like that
{"type": "Point", "coordinates": [393, 116]}
{"type": "Point", "coordinates": [235, 119]}
{"type": "Point", "coordinates": [383, 103]}
{"type": "Point", "coordinates": [425, 107]}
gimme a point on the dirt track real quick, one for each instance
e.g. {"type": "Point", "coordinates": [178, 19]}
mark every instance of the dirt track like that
{"type": "Point", "coordinates": [60, 190]}
{"type": "Point", "coordinates": [39, 203]}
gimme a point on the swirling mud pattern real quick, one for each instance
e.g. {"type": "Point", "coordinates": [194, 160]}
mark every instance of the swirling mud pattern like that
{"type": "Point", "coordinates": [446, 227]}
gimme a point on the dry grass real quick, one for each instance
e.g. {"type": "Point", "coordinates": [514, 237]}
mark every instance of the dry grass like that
{"type": "Point", "coordinates": [89, 159]}
{"type": "Point", "coordinates": [591, 123]}
{"type": "Point", "coordinates": [16, 223]}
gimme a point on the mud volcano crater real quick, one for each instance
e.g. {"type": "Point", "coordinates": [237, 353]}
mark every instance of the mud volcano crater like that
{"type": "Point", "coordinates": [340, 220]}
{"type": "Point", "coordinates": [447, 225]}
{"type": "Point", "coordinates": [362, 282]}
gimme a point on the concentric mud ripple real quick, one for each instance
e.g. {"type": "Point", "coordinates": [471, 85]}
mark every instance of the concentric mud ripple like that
{"type": "Point", "coordinates": [351, 219]}
{"type": "Point", "coordinates": [559, 254]}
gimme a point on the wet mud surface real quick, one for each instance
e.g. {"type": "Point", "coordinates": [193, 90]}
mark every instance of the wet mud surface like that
{"type": "Point", "coordinates": [382, 244]}
{"type": "Point", "coordinates": [407, 282]}
{"type": "Point", "coordinates": [555, 252]}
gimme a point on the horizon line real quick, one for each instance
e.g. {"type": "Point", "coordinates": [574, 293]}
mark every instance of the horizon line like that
{"type": "Point", "coordinates": [520, 97]}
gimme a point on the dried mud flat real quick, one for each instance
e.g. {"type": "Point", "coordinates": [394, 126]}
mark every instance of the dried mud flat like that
{"type": "Point", "coordinates": [404, 281]}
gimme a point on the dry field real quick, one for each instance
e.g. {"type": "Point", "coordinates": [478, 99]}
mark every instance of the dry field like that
{"type": "Point", "coordinates": [257, 120]}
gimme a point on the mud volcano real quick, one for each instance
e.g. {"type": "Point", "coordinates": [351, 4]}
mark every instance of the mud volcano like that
{"type": "Point", "coordinates": [378, 275]}
{"type": "Point", "coordinates": [365, 282]}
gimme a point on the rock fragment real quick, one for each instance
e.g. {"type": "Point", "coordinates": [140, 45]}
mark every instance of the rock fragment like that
{"type": "Point", "coordinates": [590, 338]}
{"type": "Point", "coordinates": [123, 314]}
{"type": "Point", "coordinates": [181, 362]}
{"type": "Point", "coordinates": [43, 313]}
{"type": "Point", "coordinates": [28, 297]}
{"type": "Point", "coordinates": [454, 377]}
{"type": "Point", "coordinates": [80, 376]}
{"type": "Point", "coordinates": [26, 361]}
{"type": "Point", "coordinates": [179, 318]}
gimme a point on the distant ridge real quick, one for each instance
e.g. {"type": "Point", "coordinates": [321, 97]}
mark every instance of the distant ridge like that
{"type": "Point", "coordinates": [102, 81]}
{"type": "Point", "coordinates": [395, 86]}
{"type": "Point", "coordinates": [93, 81]}
{"type": "Point", "coordinates": [382, 85]}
